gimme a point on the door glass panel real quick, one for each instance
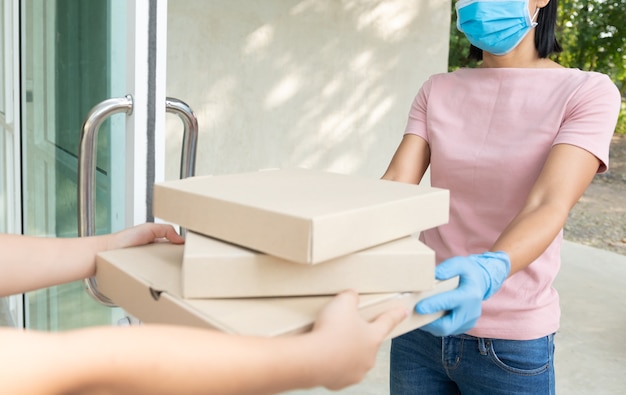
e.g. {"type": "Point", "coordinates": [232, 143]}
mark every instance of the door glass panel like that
{"type": "Point", "coordinates": [73, 58]}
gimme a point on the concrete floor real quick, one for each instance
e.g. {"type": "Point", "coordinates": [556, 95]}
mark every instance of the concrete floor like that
{"type": "Point", "coordinates": [590, 346]}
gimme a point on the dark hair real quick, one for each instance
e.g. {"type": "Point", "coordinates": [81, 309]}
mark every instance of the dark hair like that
{"type": "Point", "coordinates": [545, 37]}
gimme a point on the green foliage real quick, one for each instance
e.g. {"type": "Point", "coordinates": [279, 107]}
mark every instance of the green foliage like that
{"type": "Point", "coordinates": [592, 34]}
{"type": "Point", "coordinates": [459, 47]}
{"type": "Point", "coordinates": [621, 121]}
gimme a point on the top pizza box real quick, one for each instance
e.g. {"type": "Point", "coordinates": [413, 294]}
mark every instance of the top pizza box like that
{"type": "Point", "coordinates": [303, 216]}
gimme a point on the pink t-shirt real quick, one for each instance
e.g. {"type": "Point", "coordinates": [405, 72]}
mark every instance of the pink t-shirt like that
{"type": "Point", "coordinates": [490, 131]}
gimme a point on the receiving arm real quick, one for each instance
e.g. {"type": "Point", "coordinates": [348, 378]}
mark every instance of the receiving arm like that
{"type": "Point", "coordinates": [157, 359]}
{"type": "Point", "coordinates": [29, 263]}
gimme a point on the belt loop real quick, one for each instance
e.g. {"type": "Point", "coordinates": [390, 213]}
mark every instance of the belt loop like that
{"type": "Point", "coordinates": [482, 348]}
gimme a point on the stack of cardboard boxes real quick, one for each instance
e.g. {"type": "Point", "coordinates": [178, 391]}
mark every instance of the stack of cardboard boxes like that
{"type": "Point", "coordinates": [265, 251]}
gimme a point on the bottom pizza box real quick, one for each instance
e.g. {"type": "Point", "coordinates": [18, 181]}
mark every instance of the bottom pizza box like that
{"type": "Point", "coordinates": [146, 282]}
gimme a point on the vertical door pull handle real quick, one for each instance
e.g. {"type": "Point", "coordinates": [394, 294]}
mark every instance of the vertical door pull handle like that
{"type": "Point", "coordinates": [190, 138]}
{"type": "Point", "coordinates": [87, 174]}
{"type": "Point", "coordinates": [190, 135]}
{"type": "Point", "coordinates": [87, 163]}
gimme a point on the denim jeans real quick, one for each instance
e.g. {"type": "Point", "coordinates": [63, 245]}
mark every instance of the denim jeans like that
{"type": "Point", "coordinates": [425, 364]}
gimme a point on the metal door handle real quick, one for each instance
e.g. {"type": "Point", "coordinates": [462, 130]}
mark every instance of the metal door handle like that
{"type": "Point", "coordinates": [190, 135]}
{"type": "Point", "coordinates": [87, 163]}
{"type": "Point", "coordinates": [87, 174]}
{"type": "Point", "coordinates": [190, 139]}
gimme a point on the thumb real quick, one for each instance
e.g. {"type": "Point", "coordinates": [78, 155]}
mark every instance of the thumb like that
{"type": "Point", "coordinates": [450, 268]}
{"type": "Point", "coordinates": [343, 303]}
{"type": "Point", "coordinates": [348, 296]}
{"type": "Point", "coordinates": [387, 321]}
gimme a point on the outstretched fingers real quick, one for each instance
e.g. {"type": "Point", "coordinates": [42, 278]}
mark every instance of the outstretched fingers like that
{"type": "Point", "coordinates": [441, 302]}
{"type": "Point", "coordinates": [143, 234]}
{"type": "Point", "coordinates": [164, 231]}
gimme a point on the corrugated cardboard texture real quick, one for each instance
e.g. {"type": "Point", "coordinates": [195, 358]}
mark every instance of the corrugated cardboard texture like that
{"type": "Point", "coordinates": [216, 269]}
{"type": "Point", "coordinates": [146, 282]}
{"type": "Point", "coordinates": [300, 215]}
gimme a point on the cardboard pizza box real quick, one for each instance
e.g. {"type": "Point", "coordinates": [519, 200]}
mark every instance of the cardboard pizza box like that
{"type": "Point", "coordinates": [146, 282]}
{"type": "Point", "coordinates": [216, 269]}
{"type": "Point", "coordinates": [300, 215]}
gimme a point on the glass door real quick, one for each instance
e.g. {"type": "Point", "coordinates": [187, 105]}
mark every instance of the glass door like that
{"type": "Point", "coordinates": [76, 54]}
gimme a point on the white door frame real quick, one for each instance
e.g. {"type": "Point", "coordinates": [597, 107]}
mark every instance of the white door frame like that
{"type": "Point", "coordinates": [146, 77]}
{"type": "Point", "coordinates": [11, 134]}
{"type": "Point", "coordinates": [11, 120]}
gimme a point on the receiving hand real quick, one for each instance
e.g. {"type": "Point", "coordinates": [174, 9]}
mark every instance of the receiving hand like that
{"type": "Point", "coordinates": [348, 344]}
{"type": "Point", "coordinates": [480, 277]}
{"type": "Point", "coordinates": [143, 234]}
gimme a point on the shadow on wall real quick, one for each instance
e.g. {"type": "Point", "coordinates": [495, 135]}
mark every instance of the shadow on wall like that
{"type": "Point", "coordinates": [323, 84]}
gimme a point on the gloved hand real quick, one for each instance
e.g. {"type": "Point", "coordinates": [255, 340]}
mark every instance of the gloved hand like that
{"type": "Point", "coordinates": [480, 277]}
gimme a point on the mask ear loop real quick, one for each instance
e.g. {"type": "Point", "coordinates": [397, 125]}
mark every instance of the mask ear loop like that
{"type": "Point", "coordinates": [533, 22]}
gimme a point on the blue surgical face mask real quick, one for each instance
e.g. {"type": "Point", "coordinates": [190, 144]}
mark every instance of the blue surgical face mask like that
{"type": "Point", "coordinates": [495, 26]}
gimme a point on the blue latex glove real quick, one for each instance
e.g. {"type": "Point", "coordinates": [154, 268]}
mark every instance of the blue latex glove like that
{"type": "Point", "coordinates": [480, 277]}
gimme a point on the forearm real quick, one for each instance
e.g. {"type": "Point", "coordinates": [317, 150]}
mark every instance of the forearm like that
{"type": "Point", "coordinates": [568, 171]}
{"type": "Point", "coordinates": [136, 360]}
{"type": "Point", "coordinates": [37, 262]}
{"type": "Point", "coordinates": [200, 362]}
{"type": "Point", "coordinates": [530, 233]}
{"type": "Point", "coordinates": [28, 263]}
{"type": "Point", "coordinates": [157, 359]}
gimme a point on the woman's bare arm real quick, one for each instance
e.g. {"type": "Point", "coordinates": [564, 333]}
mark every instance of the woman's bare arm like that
{"type": "Point", "coordinates": [29, 263]}
{"type": "Point", "coordinates": [410, 161]}
{"type": "Point", "coordinates": [153, 359]}
{"type": "Point", "coordinates": [568, 171]}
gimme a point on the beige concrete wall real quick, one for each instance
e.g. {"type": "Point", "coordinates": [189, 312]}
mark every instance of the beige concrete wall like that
{"type": "Point", "coordinates": [322, 84]}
